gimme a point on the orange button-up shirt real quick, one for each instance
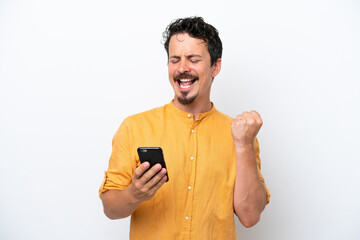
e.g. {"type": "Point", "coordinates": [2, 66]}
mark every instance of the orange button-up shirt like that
{"type": "Point", "coordinates": [197, 202]}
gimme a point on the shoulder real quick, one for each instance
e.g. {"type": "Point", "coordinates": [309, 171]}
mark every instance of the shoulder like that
{"type": "Point", "coordinates": [146, 116]}
{"type": "Point", "coordinates": [222, 116]}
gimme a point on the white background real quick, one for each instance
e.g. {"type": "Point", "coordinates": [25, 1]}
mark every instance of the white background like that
{"type": "Point", "coordinates": [71, 71]}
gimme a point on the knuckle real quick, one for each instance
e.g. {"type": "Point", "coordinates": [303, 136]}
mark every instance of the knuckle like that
{"type": "Point", "coordinates": [159, 176]}
{"type": "Point", "coordinates": [137, 186]}
{"type": "Point", "coordinates": [251, 121]}
{"type": "Point", "coordinates": [235, 123]}
{"type": "Point", "coordinates": [136, 175]}
{"type": "Point", "coordinates": [146, 190]}
{"type": "Point", "coordinates": [152, 173]}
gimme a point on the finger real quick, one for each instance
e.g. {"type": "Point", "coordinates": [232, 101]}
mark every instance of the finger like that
{"type": "Point", "coordinates": [151, 173]}
{"type": "Point", "coordinates": [252, 118]}
{"type": "Point", "coordinates": [234, 122]}
{"type": "Point", "coordinates": [238, 122]}
{"type": "Point", "coordinates": [257, 116]}
{"type": "Point", "coordinates": [154, 180]}
{"type": "Point", "coordinates": [139, 171]}
{"type": "Point", "coordinates": [158, 185]}
{"type": "Point", "coordinates": [248, 115]}
{"type": "Point", "coordinates": [241, 116]}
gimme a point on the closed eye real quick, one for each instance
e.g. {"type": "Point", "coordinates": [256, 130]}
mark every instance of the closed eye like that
{"type": "Point", "coordinates": [194, 60]}
{"type": "Point", "coordinates": [174, 60]}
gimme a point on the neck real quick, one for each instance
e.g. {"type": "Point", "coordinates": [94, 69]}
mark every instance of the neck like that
{"type": "Point", "coordinates": [194, 108]}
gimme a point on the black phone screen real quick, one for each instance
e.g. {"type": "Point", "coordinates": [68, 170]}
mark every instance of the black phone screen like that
{"type": "Point", "coordinates": [153, 155]}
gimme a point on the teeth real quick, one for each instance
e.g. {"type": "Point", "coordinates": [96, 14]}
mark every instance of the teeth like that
{"type": "Point", "coordinates": [184, 83]}
{"type": "Point", "coordinates": [186, 86]}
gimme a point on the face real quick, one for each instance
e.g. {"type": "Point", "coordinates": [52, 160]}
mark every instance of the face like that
{"type": "Point", "coordinates": [190, 70]}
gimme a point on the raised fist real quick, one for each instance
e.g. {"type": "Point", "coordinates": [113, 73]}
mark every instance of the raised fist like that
{"type": "Point", "coordinates": [245, 127]}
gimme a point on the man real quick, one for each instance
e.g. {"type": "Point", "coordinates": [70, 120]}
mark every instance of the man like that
{"type": "Point", "coordinates": [212, 160]}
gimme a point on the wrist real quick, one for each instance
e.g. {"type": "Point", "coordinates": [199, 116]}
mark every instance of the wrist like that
{"type": "Point", "coordinates": [241, 147]}
{"type": "Point", "coordinates": [132, 199]}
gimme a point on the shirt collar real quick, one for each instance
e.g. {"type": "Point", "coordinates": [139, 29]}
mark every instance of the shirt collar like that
{"type": "Point", "coordinates": [187, 115]}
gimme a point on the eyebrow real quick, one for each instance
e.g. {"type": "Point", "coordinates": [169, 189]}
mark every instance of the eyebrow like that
{"type": "Point", "coordinates": [189, 56]}
{"type": "Point", "coordinates": [193, 55]}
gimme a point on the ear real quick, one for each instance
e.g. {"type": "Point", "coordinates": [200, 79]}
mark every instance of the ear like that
{"type": "Point", "coordinates": [215, 68]}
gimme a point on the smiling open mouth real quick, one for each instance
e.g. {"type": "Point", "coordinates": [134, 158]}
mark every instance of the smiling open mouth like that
{"type": "Point", "coordinates": [185, 80]}
{"type": "Point", "coordinates": [185, 83]}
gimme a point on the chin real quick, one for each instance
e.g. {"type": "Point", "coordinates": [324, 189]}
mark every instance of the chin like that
{"type": "Point", "coordinates": [186, 100]}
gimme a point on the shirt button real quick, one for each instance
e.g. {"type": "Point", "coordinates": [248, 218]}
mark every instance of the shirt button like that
{"type": "Point", "coordinates": [186, 218]}
{"type": "Point", "coordinates": [189, 115]}
{"type": "Point", "coordinates": [189, 187]}
{"type": "Point", "coordinates": [191, 158]}
{"type": "Point", "coordinates": [192, 130]}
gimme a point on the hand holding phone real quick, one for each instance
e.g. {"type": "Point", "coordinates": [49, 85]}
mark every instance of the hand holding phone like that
{"type": "Point", "coordinates": [149, 176]}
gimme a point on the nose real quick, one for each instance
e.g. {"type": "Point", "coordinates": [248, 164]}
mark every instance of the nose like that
{"type": "Point", "coordinates": [184, 66]}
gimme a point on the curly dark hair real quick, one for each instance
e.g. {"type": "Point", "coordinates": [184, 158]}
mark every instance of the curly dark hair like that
{"type": "Point", "coordinates": [196, 28]}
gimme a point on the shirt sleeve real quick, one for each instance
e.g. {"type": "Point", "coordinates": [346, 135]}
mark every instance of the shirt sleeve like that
{"type": "Point", "coordinates": [258, 161]}
{"type": "Point", "coordinates": [122, 163]}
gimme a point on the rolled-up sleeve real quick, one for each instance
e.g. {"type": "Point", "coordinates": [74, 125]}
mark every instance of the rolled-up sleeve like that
{"type": "Point", "coordinates": [122, 162]}
{"type": "Point", "coordinates": [258, 161]}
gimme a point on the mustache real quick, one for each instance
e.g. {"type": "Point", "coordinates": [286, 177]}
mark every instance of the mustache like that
{"type": "Point", "coordinates": [185, 76]}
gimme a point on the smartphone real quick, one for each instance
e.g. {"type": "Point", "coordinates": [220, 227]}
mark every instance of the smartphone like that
{"type": "Point", "coordinates": [153, 155]}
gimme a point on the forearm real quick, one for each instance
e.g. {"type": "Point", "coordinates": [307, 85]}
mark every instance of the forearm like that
{"type": "Point", "coordinates": [119, 203]}
{"type": "Point", "coordinates": [249, 191]}
{"type": "Point", "coordinates": [122, 203]}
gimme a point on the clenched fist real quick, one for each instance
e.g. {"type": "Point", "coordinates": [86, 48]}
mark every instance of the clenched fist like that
{"type": "Point", "coordinates": [245, 127]}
